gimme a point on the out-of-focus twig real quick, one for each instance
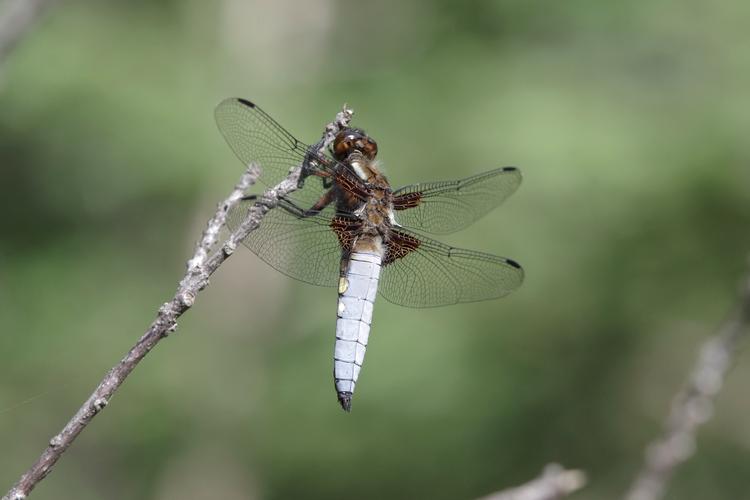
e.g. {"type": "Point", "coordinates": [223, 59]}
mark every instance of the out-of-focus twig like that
{"type": "Point", "coordinates": [693, 405]}
{"type": "Point", "coordinates": [554, 483]}
{"type": "Point", "coordinates": [16, 18]}
{"type": "Point", "coordinates": [200, 268]}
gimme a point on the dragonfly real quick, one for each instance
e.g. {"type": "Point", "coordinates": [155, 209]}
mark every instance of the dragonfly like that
{"type": "Point", "coordinates": [347, 228]}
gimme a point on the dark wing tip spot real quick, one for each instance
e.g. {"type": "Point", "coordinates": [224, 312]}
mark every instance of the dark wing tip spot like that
{"type": "Point", "coordinates": [245, 102]}
{"type": "Point", "coordinates": [513, 263]}
{"type": "Point", "coordinates": [510, 169]}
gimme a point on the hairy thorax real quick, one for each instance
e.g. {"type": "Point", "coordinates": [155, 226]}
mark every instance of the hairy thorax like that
{"type": "Point", "coordinates": [375, 212]}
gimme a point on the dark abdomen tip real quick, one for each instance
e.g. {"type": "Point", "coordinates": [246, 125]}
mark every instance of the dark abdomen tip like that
{"type": "Point", "coordinates": [345, 400]}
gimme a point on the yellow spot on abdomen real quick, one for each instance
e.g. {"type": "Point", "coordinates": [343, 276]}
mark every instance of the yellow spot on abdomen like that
{"type": "Point", "coordinates": [343, 284]}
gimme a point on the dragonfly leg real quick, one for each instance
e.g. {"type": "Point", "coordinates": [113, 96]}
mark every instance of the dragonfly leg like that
{"type": "Point", "coordinates": [300, 212]}
{"type": "Point", "coordinates": [319, 205]}
{"type": "Point", "coordinates": [323, 202]}
{"type": "Point", "coordinates": [326, 177]}
{"type": "Point", "coordinates": [292, 208]}
{"type": "Point", "coordinates": [311, 166]}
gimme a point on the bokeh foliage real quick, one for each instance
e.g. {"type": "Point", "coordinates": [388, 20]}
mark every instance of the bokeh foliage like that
{"type": "Point", "coordinates": [628, 119]}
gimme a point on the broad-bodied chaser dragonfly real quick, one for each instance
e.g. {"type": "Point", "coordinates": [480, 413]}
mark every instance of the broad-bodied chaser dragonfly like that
{"type": "Point", "coordinates": [346, 227]}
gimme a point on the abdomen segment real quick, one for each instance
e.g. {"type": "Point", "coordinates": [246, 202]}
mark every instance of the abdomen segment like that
{"type": "Point", "coordinates": [357, 291]}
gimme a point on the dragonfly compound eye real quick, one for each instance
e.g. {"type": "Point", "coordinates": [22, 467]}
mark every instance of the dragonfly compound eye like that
{"type": "Point", "coordinates": [353, 139]}
{"type": "Point", "coordinates": [370, 148]}
{"type": "Point", "coordinates": [343, 145]}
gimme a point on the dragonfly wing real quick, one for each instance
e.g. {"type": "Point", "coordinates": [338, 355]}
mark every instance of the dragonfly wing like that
{"type": "Point", "coordinates": [448, 206]}
{"type": "Point", "coordinates": [421, 272]}
{"type": "Point", "coordinates": [256, 137]}
{"type": "Point", "coordinates": [303, 248]}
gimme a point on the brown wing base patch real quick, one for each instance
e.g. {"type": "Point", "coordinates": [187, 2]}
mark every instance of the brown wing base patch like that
{"type": "Point", "coordinates": [399, 246]}
{"type": "Point", "coordinates": [408, 200]}
{"type": "Point", "coordinates": [352, 184]}
{"type": "Point", "coordinates": [346, 231]}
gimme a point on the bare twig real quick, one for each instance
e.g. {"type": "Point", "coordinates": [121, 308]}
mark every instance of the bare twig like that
{"type": "Point", "coordinates": [692, 406]}
{"type": "Point", "coordinates": [211, 234]}
{"type": "Point", "coordinates": [200, 268]}
{"type": "Point", "coordinates": [16, 18]}
{"type": "Point", "coordinates": [554, 483]}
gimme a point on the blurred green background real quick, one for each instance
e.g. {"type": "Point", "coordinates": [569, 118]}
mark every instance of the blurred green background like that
{"type": "Point", "coordinates": [629, 121]}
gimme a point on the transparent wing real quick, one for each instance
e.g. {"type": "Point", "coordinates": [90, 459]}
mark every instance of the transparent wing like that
{"type": "Point", "coordinates": [448, 206]}
{"type": "Point", "coordinates": [256, 137]}
{"type": "Point", "coordinates": [306, 249]}
{"type": "Point", "coordinates": [421, 272]}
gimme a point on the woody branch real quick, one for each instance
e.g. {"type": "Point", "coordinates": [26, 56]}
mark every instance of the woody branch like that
{"type": "Point", "coordinates": [16, 19]}
{"type": "Point", "coordinates": [199, 268]}
{"type": "Point", "coordinates": [554, 483]}
{"type": "Point", "coordinates": [693, 405]}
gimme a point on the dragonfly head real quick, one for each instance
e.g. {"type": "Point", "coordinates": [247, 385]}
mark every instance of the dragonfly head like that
{"type": "Point", "coordinates": [350, 140]}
